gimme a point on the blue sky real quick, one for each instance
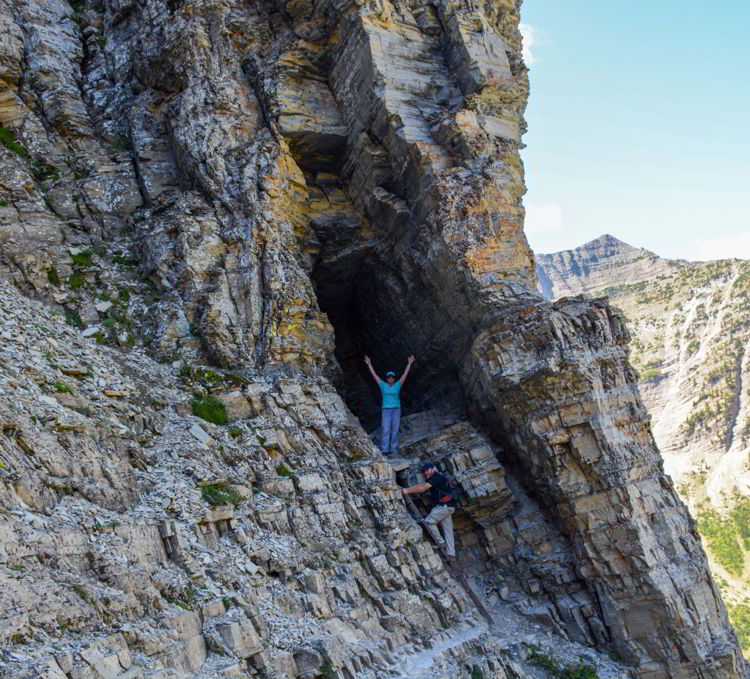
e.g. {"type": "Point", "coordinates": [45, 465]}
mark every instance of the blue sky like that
{"type": "Point", "coordinates": [639, 125]}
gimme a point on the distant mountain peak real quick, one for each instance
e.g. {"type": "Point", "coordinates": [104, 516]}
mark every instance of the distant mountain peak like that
{"type": "Point", "coordinates": [606, 240]}
{"type": "Point", "coordinates": [609, 239]}
{"type": "Point", "coordinates": [600, 263]}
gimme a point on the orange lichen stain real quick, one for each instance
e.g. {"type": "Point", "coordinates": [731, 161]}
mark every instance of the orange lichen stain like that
{"type": "Point", "coordinates": [287, 189]}
{"type": "Point", "coordinates": [287, 329]}
{"type": "Point", "coordinates": [498, 257]}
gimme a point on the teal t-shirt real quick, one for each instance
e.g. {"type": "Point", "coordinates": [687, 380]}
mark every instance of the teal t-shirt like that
{"type": "Point", "coordinates": [391, 394]}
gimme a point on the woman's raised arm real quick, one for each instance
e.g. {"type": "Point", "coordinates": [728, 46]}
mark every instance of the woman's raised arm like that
{"type": "Point", "coordinates": [372, 371]}
{"type": "Point", "coordinates": [403, 377]}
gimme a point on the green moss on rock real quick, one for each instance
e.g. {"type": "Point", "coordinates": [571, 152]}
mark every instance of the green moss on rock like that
{"type": "Point", "coordinates": [210, 409]}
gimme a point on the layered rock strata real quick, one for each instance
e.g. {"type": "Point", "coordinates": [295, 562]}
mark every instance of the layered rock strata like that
{"type": "Point", "coordinates": [690, 324]}
{"type": "Point", "coordinates": [279, 188]}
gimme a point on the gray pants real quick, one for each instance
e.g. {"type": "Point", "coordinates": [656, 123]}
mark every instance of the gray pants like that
{"type": "Point", "coordinates": [390, 422]}
{"type": "Point", "coordinates": [442, 514]}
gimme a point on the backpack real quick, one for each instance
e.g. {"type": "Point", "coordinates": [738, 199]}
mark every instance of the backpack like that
{"type": "Point", "coordinates": [456, 491]}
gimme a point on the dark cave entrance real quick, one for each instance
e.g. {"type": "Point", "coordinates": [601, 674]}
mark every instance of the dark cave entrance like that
{"type": "Point", "coordinates": [376, 307]}
{"type": "Point", "coordinates": [373, 313]}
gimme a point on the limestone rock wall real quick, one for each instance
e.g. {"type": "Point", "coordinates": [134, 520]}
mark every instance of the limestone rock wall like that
{"type": "Point", "coordinates": [276, 188]}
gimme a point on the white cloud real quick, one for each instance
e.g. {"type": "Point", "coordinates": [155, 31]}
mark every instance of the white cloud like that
{"type": "Point", "coordinates": [529, 35]}
{"type": "Point", "coordinates": [724, 247]}
{"type": "Point", "coordinates": [544, 217]}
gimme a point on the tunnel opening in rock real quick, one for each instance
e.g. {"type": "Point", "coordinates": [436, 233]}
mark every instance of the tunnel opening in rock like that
{"type": "Point", "coordinates": [370, 318]}
{"type": "Point", "coordinates": [376, 308]}
{"type": "Point", "coordinates": [364, 301]}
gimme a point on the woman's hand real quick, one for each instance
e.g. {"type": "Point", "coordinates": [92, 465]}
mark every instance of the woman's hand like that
{"type": "Point", "coordinates": [411, 359]}
{"type": "Point", "coordinates": [367, 360]}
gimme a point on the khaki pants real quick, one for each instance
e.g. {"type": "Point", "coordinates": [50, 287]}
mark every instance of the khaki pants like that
{"type": "Point", "coordinates": [442, 514]}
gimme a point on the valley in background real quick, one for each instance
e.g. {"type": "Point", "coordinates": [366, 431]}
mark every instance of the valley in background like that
{"type": "Point", "coordinates": [690, 323]}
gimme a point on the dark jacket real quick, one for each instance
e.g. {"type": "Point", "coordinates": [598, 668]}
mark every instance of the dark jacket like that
{"type": "Point", "coordinates": [441, 493]}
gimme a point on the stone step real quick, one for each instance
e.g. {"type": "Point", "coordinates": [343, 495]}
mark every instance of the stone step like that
{"type": "Point", "coordinates": [401, 463]}
{"type": "Point", "coordinates": [419, 426]}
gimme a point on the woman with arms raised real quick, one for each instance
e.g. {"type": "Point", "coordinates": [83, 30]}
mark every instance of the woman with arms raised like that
{"type": "Point", "coordinates": [391, 413]}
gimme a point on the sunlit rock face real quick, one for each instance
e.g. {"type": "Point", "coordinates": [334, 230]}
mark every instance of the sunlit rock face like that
{"type": "Point", "coordinates": [277, 189]}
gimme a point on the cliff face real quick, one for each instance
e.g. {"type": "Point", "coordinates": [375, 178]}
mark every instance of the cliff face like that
{"type": "Point", "coordinates": [690, 330]}
{"type": "Point", "coordinates": [278, 188]}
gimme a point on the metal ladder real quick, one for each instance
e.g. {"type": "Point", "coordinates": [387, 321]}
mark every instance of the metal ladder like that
{"type": "Point", "coordinates": [455, 570]}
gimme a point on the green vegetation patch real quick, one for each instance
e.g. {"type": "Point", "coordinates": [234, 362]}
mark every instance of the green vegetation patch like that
{"type": "Point", "coordinates": [62, 388]}
{"type": "Point", "coordinates": [65, 490]}
{"type": "Point", "coordinates": [118, 143]}
{"type": "Point", "coordinates": [53, 277]}
{"type": "Point", "coordinates": [555, 667]}
{"type": "Point", "coordinates": [43, 171]}
{"type": "Point", "coordinates": [283, 470]}
{"type": "Point", "coordinates": [82, 592]}
{"type": "Point", "coordinates": [82, 258]}
{"type": "Point", "coordinates": [76, 280]}
{"type": "Point", "coordinates": [650, 374]}
{"type": "Point", "coordinates": [739, 616]}
{"type": "Point", "coordinates": [727, 535]}
{"type": "Point", "coordinates": [185, 599]}
{"type": "Point", "coordinates": [208, 378]}
{"type": "Point", "coordinates": [220, 493]}
{"type": "Point", "coordinates": [72, 317]}
{"type": "Point", "coordinates": [326, 671]}
{"type": "Point", "coordinates": [210, 409]}
{"type": "Point", "coordinates": [8, 140]}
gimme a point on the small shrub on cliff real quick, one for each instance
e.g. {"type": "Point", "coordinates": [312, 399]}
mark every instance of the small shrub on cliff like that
{"type": "Point", "coordinates": [210, 409]}
{"type": "Point", "coordinates": [43, 171]}
{"type": "Point", "coordinates": [82, 592]}
{"type": "Point", "coordinates": [82, 258]}
{"type": "Point", "coordinates": [8, 140]}
{"type": "Point", "coordinates": [283, 470]}
{"type": "Point", "coordinates": [184, 599]}
{"type": "Point", "coordinates": [579, 670]}
{"type": "Point", "coordinates": [53, 277]}
{"type": "Point", "coordinates": [220, 493]}
{"type": "Point", "coordinates": [76, 280]}
{"type": "Point", "coordinates": [650, 374]}
{"type": "Point", "coordinates": [72, 317]}
{"type": "Point", "coordinates": [62, 388]}
{"type": "Point", "coordinates": [327, 672]}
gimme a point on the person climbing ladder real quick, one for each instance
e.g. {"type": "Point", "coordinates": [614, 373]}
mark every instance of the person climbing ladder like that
{"type": "Point", "coordinates": [444, 504]}
{"type": "Point", "coordinates": [391, 413]}
{"type": "Point", "coordinates": [444, 493]}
